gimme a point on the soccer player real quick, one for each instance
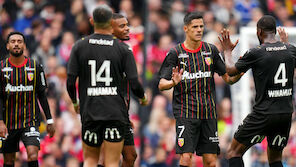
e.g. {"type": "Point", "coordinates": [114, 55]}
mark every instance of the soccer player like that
{"type": "Point", "coordinates": [272, 63]}
{"type": "Point", "coordinates": [194, 104]}
{"type": "Point", "coordinates": [121, 31]}
{"type": "Point", "coordinates": [22, 83]}
{"type": "Point", "coordinates": [100, 61]}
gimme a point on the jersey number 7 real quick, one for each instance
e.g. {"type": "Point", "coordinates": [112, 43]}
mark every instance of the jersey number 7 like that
{"type": "Point", "coordinates": [97, 77]}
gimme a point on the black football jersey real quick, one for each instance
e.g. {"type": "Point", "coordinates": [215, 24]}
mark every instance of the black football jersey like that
{"type": "Point", "coordinates": [273, 66]}
{"type": "Point", "coordinates": [194, 97]}
{"type": "Point", "coordinates": [101, 62]}
{"type": "Point", "coordinates": [19, 90]}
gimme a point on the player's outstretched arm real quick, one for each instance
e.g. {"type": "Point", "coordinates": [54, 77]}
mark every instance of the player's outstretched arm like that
{"type": "Point", "coordinates": [283, 35]}
{"type": "Point", "coordinates": [165, 84]}
{"type": "Point", "coordinates": [231, 80]}
{"type": "Point", "coordinates": [228, 46]}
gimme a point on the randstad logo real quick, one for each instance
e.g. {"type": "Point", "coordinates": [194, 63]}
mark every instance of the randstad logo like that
{"type": "Point", "coordinates": [19, 88]}
{"type": "Point", "coordinates": [199, 74]}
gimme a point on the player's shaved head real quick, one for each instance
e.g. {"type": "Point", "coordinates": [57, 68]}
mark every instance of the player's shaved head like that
{"type": "Point", "coordinates": [191, 16]}
{"type": "Point", "coordinates": [267, 23]}
{"type": "Point", "coordinates": [102, 16]}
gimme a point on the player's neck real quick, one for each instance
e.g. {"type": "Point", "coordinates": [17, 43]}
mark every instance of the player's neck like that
{"type": "Point", "coordinates": [17, 61]}
{"type": "Point", "coordinates": [192, 45]}
{"type": "Point", "coordinates": [270, 38]}
{"type": "Point", "coordinates": [103, 31]}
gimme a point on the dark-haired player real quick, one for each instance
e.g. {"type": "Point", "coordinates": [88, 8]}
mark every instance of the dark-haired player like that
{"type": "Point", "coordinates": [194, 92]}
{"type": "Point", "coordinates": [121, 31]}
{"type": "Point", "coordinates": [100, 61]}
{"type": "Point", "coordinates": [22, 82]}
{"type": "Point", "coordinates": [272, 64]}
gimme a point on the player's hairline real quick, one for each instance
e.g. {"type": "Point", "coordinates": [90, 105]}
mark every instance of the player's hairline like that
{"type": "Point", "coordinates": [117, 16]}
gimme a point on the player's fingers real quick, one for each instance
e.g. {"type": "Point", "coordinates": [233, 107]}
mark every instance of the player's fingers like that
{"type": "Point", "coordinates": [220, 40]}
{"type": "Point", "coordinates": [181, 71]}
{"type": "Point", "coordinates": [235, 43]}
{"type": "Point", "coordinates": [227, 34]}
{"type": "Point", "coordinates": [223, 34]}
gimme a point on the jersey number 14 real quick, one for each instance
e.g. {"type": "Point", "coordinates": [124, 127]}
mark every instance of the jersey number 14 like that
{"type": "Point", "coordinates": [281, 71]}
{"type": "Point", "coordinates": [97, 76]}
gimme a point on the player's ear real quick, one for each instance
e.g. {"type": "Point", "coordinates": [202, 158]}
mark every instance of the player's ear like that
{"type": "Point", "coordinates": [185, 28]}
{"type": "Point", "coordinates": [91, 20]}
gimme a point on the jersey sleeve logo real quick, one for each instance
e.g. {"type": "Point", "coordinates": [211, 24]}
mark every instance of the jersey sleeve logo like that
{"type": "Point", "coordinates": [30, 76]}
{"type": "Point", "coordinates": [208, 60]}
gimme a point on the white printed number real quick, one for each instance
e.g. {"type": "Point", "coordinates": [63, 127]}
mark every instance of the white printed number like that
{"type": "Point", "coordinates": [97, 77]}
{"type": "Point", "coordinates": [281, 72]}
{"type": "Point", "coordinates": [182, 130]}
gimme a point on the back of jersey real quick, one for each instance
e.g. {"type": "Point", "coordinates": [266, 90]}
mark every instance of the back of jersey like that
{"type": "Point", "coordinates": [273, 70]}
{"type": "Point", "coordinates": [99, 62]}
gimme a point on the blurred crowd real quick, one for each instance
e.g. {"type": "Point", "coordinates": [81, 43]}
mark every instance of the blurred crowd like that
{"type": "Point", "coordinates": [51, 28]}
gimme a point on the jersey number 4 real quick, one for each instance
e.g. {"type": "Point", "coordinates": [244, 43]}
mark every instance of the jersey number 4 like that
{"type": "Point", "coordinates": [281, 71]}
{"type": "Point", "coordinates": [97, 76]}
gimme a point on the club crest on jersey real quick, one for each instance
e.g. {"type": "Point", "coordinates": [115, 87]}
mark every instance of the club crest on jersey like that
{"type": "Point", "coordinates": [30, 76]}
{"type": "Point", "coordinates": [208, 60]}
{"type": "Point", "coordinates": [181, 142]}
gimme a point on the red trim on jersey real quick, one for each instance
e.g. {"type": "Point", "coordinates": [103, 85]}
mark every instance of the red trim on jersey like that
{"type": "Point", "coordinates": [181, 98]}
{"type": "Point", "coordinates": [199, 92]}
{"type": "Point", "coordinates": [25, 61]}
{"type": "Point", "coordinates": [181, 87]}
{"type": "Point", "coordinates": [20, 100]}
{"type": "Point", "coordinates": [29, 104]}
{"type": "Point", "coordinates": [192, 51]}
{"type": "Point", "coordinates": [211, 109]}
{"type": "Point", "coordinates": [11, 102]}
{"type": "Point", "coordinates": [190, 86]}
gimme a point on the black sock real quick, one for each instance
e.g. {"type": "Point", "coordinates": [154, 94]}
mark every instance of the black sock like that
{"type": "Point", "coordinates": [183, 166]}
{"type": "Point", "coordinates": [100, 165]}
{"type": "Point", "coordinates": [5, 165]}
{"type": "Point", "coordinates": [276, 164]}
{"type": "Point", "coordinates": [33, 164]}
{"type": "Point", "coordinates": [236, 162]}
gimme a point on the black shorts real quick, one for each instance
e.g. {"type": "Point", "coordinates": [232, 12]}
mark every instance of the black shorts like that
{"type": "Point", "coordinates": [129, 135]}
{"type": "Point", "coordinates": [276, 127]}
{"type": "Point", "coordinates": [28, 135]}
{"type": "Point", "coordinates": [93, 133]}
{"type": "Point", "coordinates": [200, 136]}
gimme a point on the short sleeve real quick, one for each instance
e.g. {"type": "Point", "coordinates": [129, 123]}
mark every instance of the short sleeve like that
{"type": "Point", "coordinates": [219, 65]}
{"type": "Point", "coordinates": [244, 63]}
{"type": "Point", "coordinates": [73, 64]}
{"type": "Point", "coordinates": [170, 61]}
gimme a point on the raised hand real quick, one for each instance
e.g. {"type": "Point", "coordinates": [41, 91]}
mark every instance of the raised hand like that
{"type": "Point", "coordinates": [177, 75]}
{"type": "Point", "coordinates": [225, 40]}
{"type": "Point", "coordinates": [283, 35]}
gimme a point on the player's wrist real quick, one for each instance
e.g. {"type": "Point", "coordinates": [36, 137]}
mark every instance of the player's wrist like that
{"type": "Point", "coordinates": [75, 103]}
{"type": "Point", "coordinates": [49, 121]}
{"type": "Point", "coordinates": [144, 99]}
{"type": "Point", "coordinates": [174, 82]}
